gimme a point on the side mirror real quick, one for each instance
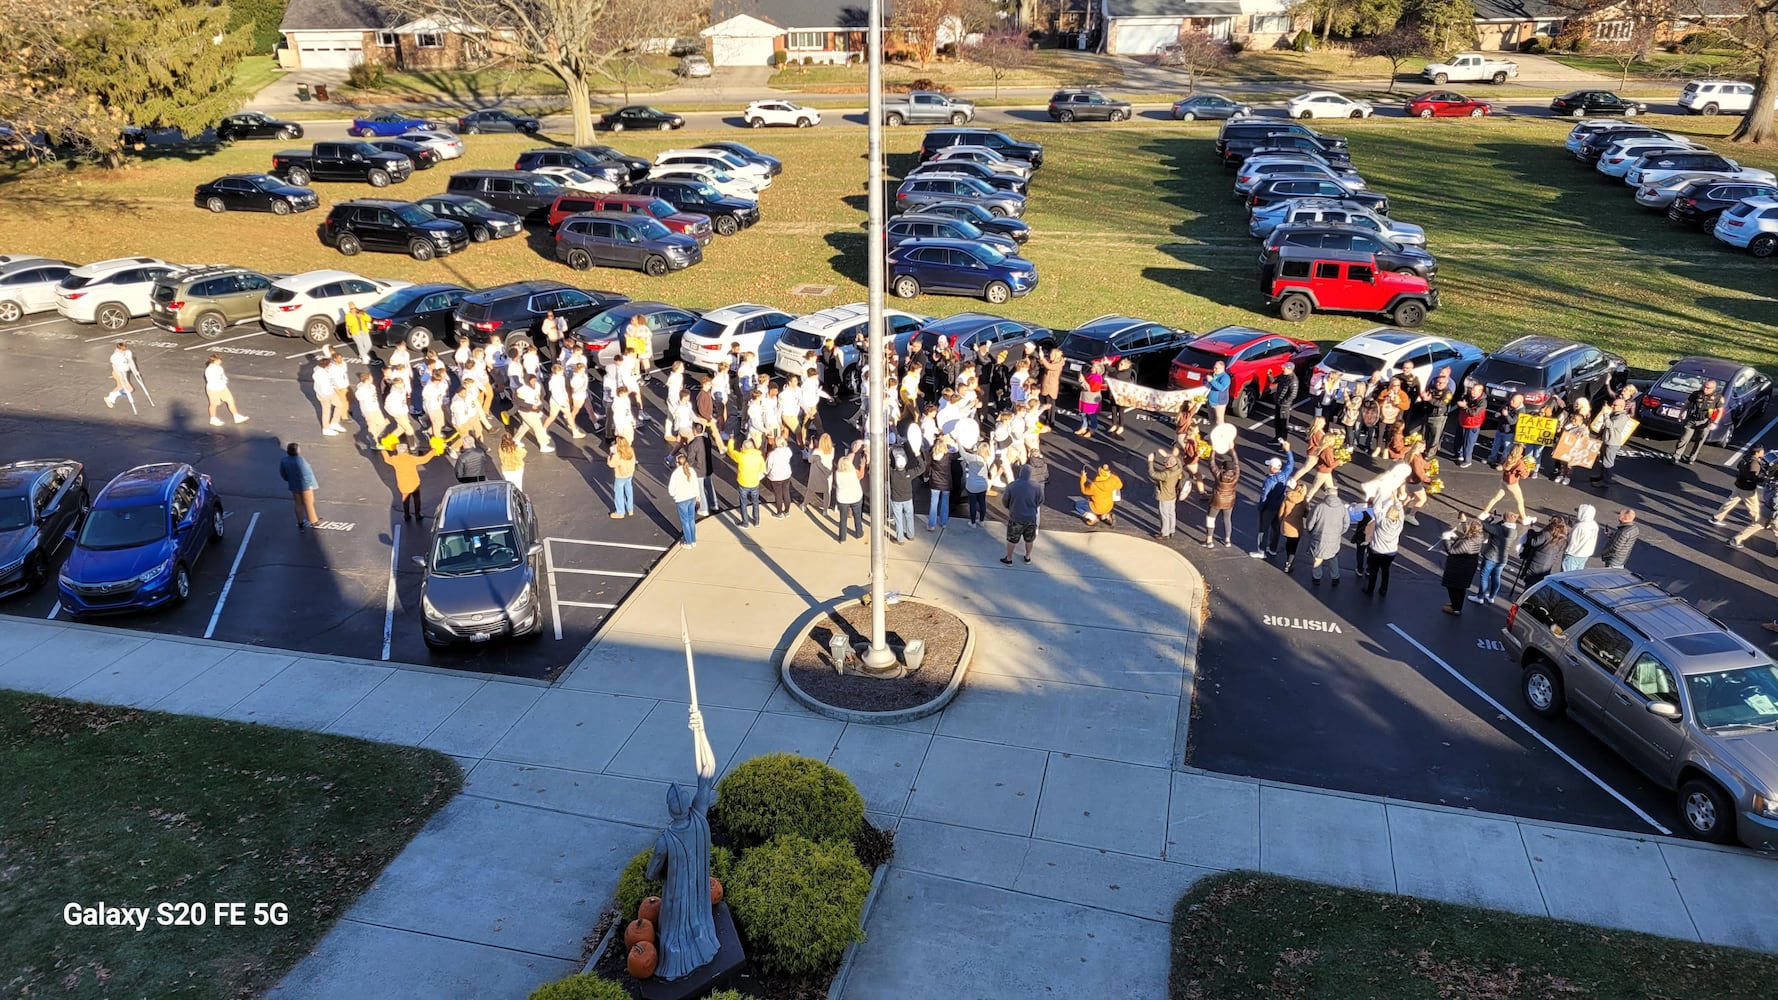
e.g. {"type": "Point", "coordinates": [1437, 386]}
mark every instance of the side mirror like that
{"type": "Point", "coordinates": [536, 549]}
{"type": "Point", "coordinates": [1664, 709]}
{"type": "Point", "coordinates": [69, 534]}
{"type": "Point", "coordinates": [419, 561]}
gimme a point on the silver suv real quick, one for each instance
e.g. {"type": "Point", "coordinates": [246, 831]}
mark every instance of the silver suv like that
{"type": "Point", "coordinates": [1688, 702]}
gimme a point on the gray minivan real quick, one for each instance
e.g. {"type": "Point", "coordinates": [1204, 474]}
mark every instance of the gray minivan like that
{"type": "Point", "coordinates": [483, 567]}
{"type": "Point", "coordinates": [1688, 702]}
{"type": "Point", "coordinates": [521, 192]}
{"type": "Point", "coordinates": [619, 239]}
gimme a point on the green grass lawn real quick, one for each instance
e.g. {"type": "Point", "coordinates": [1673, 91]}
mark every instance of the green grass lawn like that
{"type": "Point", "coordinates": [474, 86]}
{"type": "Point", "coordinates": [1131, 218]}
{"type": "Point", "coordinates": [1248, 935]}
{"type": "Point", "coordinates": [254, 73]}
{"type": "Point", "coordinates": [1047, 68]}
{"type": "Point", "coordinates": [1334, 63]}
{"type": "Point", "coordinates": [139, 808]}
{"type": "Point", "coordinates": [1677, 67]}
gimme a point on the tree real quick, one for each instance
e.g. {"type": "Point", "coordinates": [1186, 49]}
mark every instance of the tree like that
{"type": "Point", "coordinates": [1646, 18]}
{"type": "Point", "coordinates": [1200, 51]}
{"type": "Point", "coordinates": [1001, 52]}
{"type": "Point", "coordinates": [1351, 17]}
{"type": "Point", "coordinates": [925, 20]}
{"type": "Point", "coordinates": [574, 39]}
{"type": "Point", "coordinates": [1450, 24]}
{"type": "Point", "coordinates": [1754, 27]}
{"type": "Point", "coordinates": [1398, 45]}
{"type": "Point", "coordinates": [264, 16]}
{"type": "Point", "coordinates": [1627, 52]}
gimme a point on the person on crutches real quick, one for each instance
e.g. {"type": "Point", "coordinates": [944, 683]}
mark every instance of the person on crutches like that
{"type": "Point", "coordinates": [123, 364]}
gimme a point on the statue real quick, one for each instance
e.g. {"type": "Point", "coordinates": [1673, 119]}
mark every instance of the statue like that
{"type": "Point", "coordinates": [687, 930]}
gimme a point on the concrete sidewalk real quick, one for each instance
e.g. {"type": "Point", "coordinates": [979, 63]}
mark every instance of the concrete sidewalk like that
{"type": "Point", "coordinates": [1046, 802]}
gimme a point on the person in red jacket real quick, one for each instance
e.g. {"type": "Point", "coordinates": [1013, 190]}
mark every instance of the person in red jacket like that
{"type": "Point", "coordinates": [1472, 411]}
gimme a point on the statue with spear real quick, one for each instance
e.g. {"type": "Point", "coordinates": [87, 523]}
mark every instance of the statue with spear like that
{"type": "Point", "coordinates": [687, 931]}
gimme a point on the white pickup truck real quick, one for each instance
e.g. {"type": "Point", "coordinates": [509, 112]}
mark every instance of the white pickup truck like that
{"type": "Point", "coordinates": [1470, 66]}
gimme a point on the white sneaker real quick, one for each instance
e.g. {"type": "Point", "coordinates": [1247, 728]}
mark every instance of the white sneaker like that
{"type": "Point", "coordinates": [1256, 554]}
{"type": "Point", "coordinates": [329, 432]}
{"type": "Point", "coordinates": [240, 418]}
{"type": "Point", "coordinates": [337, 429]}
{"type": "Point", "coordinates": [215, 421]}
{"type": "Point", "coordinates": [1476, 598]}
{"type": "Point", "coordinates": [111, 401]}
{"type": "Point", "coordinates": [547, 450]}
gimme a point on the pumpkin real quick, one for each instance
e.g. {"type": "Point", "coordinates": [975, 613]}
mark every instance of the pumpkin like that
{"type": "Point", "coordinates": [650, 910]}
{"type": "Point", "coordinates": [638, 930]}
{"type": "Point", "coordinates": [715, 891]}
{"type": "Point", "coordinates": [642, 960]}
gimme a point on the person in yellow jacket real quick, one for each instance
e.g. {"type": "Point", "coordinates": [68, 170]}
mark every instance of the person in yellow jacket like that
{"type": "Point", "coordinates": [1102, 490]}
{"type": "Point", "coordinates": [358, 328]}
{"type": "Point", "coordinates": [639, 339]}
{"type": "Point", "coordinates": [750, 468]}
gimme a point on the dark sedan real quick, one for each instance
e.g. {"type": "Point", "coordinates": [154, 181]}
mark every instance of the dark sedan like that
{"type": "Point", "coordinates": [417, 315]}
{"type": "Point", "coordinates": [254, 193]}
{"type": "Point", "coordinates": [641, 116]}
{"type": "Point", "coordinates": [1702, 201]}
{"type": "Point", "coordinates": [41, 502]}
{"type": "Point", "coordinates": [424, 157]}
{"type": "Point", "coordinates": [484, 221]}
{"type": "Point", "coordinates": [1580, 103]}
{"type": "Point", "coordinates": [1209, 107]}
{"type": "Point", "coordinates": [1148, 345]}
{"type": "Point", "coordinates": [1746, 393]}
{"type": "Point", "coordinates": [637, 166]}
{"type": "Point", "coordinates": [495, 120]}
{"type": "Point", "coordinates": [253, 125]}
{"type": "Point", "coordinates": [964, 330]}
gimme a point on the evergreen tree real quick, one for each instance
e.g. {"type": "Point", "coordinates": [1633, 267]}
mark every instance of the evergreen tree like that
{"type": "Point", "coordinates": [159, 63]}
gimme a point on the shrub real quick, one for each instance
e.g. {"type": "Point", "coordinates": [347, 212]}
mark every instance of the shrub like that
{"type": "Point", "coordinates": [728, 995]}
{"type": "Point", "coordinates": [584, 986]}
{"type": "Point", "coordinates": [1237, 46]}
{"type": "Point", "coordinates": [799, 903]}
{"type": "Point", "coordinates": [634, 885]}
{"type": "Point", "coordinates": [1535, 46]}
{"type": "Point", "coordinates": [779, 58]}
{"type": "Point", "coordinates": [1702, 41]}
{"type": "Point", "coordinates": [364, 75]}
{"type": "Point", "coordinates": [783, 793]}
{"type": "Point", "coordinates": [808, 60]}
{"type": "Point", "coordinates": [1305, 40]}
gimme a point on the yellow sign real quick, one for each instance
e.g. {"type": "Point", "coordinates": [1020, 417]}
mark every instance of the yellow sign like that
{"type": "Point", "coordinates": [1535, 430]}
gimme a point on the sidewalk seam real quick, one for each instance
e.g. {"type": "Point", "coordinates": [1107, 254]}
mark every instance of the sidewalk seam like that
{"type": "Point", "coordinates": [447, 937]}
{"type": "Point", "coordinates": [1673, 879]}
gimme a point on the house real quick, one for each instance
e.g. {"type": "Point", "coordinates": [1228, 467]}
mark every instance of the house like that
{"type": "Point", "coordinates": [1508, 24]}
{"type": "Point", "coordinates": [749, 32]}
{"type": "Point", "coordinates": [1140, 27]}
{"type": "Point", "coordinates": [339, 34]}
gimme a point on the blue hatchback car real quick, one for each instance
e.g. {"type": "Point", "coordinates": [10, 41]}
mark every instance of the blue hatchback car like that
{"type": "Point", "coordinates": [959, 267]}
{"type": "Point", "coordinates": [146, 530]}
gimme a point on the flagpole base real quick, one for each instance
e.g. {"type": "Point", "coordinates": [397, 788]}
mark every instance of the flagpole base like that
{"type": "Point", "coordinates": [880, 661]}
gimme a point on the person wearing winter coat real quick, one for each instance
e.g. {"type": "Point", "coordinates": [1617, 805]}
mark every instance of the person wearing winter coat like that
{"type": "Point", "coordinates": [1226, 478]}
{"type": "Point", "coordinates": [937, 470]}
{"type": "Point", "coordinates": [1620, 540]}
{"type": "Point", "coordinates": [1219, 384]}
{"type": "Point", "coordinates": [1100, 489]}
{"type": "Point", "coordinates": [975, 482]}
{"type": "Point", "coordinates": [1435, 407]}
{"type": "Point", "coordinates": [1502, 532]}
{"type": "Point", "coordinates": [1326, 528]}
{"type": "Point", "coordinates": [1463, 551]}
{"type": "Point", "coordinates": [1613, 427]}
{"type": "Point", "coordinates": [1384, 541]}
{"type": "Point", "coordinates": [1290, 521]}
{"type": "Point", "coordinates": [1583, 539]}
{"type": "Point", "coordinates": [1271, 500]}
{"type": "Point", "coordinates": [1472, 412]}
{"type": "Point", "coordinates": [1167, 473]}
{"type": "Point", "coordinates": [1543, 549]}
{"type": "Point", "coordinates": [903, 467]}
{"type": "Point", "coordinates": [1284, 390]}
{"type": "Point", "coordinates": [1749, 480]}
{"type": "Point", "coordinates": [818, 488]}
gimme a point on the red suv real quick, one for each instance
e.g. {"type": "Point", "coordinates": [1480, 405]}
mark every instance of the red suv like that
{"type": "Point", "coordinates": [1252, 358]}
{"type": "Point", "coordinates": [1301, 280]}
{"type": "Point", "coordinates": [691, 224]}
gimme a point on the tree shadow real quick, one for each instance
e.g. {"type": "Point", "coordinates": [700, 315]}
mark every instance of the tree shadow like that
{"type": "Point", "coordinates": [850, 256]}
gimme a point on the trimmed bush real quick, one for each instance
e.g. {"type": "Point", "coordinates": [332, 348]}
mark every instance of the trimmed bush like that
{"type": "Point", "coordinates": [728, 995]}
{"type": "Point", "coordinates": [634, 886]}
{"type": "Point", "coordinates": [779, 58]}
{"type": "Point", "coordinates": [783, 793]}
{"type": "Point", "coordinates": [799, 903]}
{"type": "Point", "coordinates": [584, 986]}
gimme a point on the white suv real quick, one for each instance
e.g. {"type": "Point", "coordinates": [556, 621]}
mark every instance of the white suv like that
{"type": "Point", "coordinates": [312, 305]}
{"type": "Point", "coordinates": [1751, 225]}
{"type": "Point", "coordinates": [726, 184]}
{"type": "Point", "coordinates": [1384, 349]}
{"type": "Point", "coordinates": [800, 345]}
{"type": "Point", "coordinates": [111, 292]}
{"type": "Point", "coordinates": [28, 285]}
{"type": "Point", "coordinates": [757, 174]}
{"type": "Point", "coordinates": [757, 329]}
{"type": "Point", "coordinates": [759, 114]}
{"type": "Point", "coordinates": [1707, 97]}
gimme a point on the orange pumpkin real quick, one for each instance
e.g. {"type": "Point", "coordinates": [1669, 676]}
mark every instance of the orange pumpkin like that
{"type": "Point", "coordinates": [642, 960]}
{"type": "Point", "coordinates": [715, 891]}
{"type": "Point", "coordinates": [650, 910]}
{"type": "Point", "coordinates": [637, 931]}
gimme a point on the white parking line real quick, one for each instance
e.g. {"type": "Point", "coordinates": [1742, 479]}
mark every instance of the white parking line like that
{"type": "Point", "coordinates": [113, 335]}
{"type": "Point", "coordinates": [41, 322]}
{"type": "Point", "coordinates": [202, 344]}
{"type": "Point", "coordinates": [53, 612]}
{"type": "Point", "coordinates": [228, 584]}
{"type": "Point", "coordinates": [598, 572]}
{"type": "Point", "coordinates": [555, 608]}
{"type": "Point", "coordinates": [1498, 707]}
{"type": "Point", "coordinates": [585, 604]}
{"type": "Point", "coordinates": [1735, 459]}
{"type": "Point", "coordinates": [615, 545]}
{"type": "Point", "coordinates": [389, 602]}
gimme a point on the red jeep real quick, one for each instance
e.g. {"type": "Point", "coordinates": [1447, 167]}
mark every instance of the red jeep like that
{"type": "Point", "coordinates": [1301, 280]}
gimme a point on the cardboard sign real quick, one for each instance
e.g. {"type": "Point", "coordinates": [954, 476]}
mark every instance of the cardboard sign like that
{"type": "Point", "coordinates": [1578, 448]}
{"type": "Point", "coordinates": [1535, 430]}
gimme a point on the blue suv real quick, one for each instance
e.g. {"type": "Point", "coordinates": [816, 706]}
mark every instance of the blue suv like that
{"type": "Point", "coordinates": [146, 530]}
{"type": "Point", "coordinates": [959, 267]}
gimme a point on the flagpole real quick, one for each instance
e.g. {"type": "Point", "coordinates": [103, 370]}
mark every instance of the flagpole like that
{"type": "Point", "coordinates": [879, 658]}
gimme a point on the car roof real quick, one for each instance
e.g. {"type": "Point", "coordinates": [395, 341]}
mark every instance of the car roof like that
{"type": "Point", "coordinates": [639, 308]}
{"type": "Point", "coordinates": [1535, 349]}
{"type": "Point", "coordinates": [520, 174]}
{"type": "Point", "coordinates": [1295, 252]}
{"type": "Point", "coordinates": [1317, 93]}
{"type": "Point", "coordinates": [740, 310]}
{"type": "Point", "coordinates": [516, 288]}
{"type": "Point", "coordinates": [144, 482]}
{"type": "Point", "coordinates": [1694, 642]}
{"type": "Point", "coordinates": [1110, 325]}
{"type": "Point", "coordinates": [309, 279]}
{"type": "Point", "coordinates": [939, 241]}
{"type": "Point", "coordinates": [962, 322]}
{"type": "Point", "coordinates": [1383, 342]}
{"type": "Point", "coordinates": [31, 263]}
{"type": "Point", "coordinates": [115, 264]}
{"type": "Point", "coordinates": [1231, 338]}
{"type": "Point", "coordinates": [201, 271]}
{"type": "Point", "coordinates": [373, 203]}
{"type": "Point", "coordinates": [1716, 368]}
{"type": "Point", "coordinates": [18, 476]}
{"type": "Point", "coordinates": [469, 506]}
{"type": "Point", "coordinates": [1761, 201]}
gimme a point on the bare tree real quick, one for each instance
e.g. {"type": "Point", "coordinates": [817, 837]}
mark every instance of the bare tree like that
{"type": "Point", "coordinates": [1646, 19]}
{"type": "Point", "coordinates": [1198, 51]}
{"type": "Point", "coordinates": [1627, 52]}
{"type": "Point", "coordinates": [1398, 45]}
{"type": "Point", "coordinates": [574, 39]}
{"type": "Point", "coordinates": [925, 20]}
{"type": "Point", "coordinates": [1001, 52]}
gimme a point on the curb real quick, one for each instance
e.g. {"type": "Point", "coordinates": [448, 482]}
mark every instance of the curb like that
{"type": "Point", "coordinates": [813, 616]}
{"type": "Point", "coordinates": [838, 987]}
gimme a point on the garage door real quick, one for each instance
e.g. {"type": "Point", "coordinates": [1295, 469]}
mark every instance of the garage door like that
{"type": "Point", "coordinates": [330, 54]}
{"type": "Point", "coordinates": [1144, 39]}
{"type": "Point", "coordinates": [741, 51]}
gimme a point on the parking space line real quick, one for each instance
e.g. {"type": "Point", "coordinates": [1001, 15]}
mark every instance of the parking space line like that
{"type": "Point", "coordinates": [228, 340]}
{"type": "Point", "coordinates": [1498, 707]}
{"type": "Point", "coordinates": [228, 584]}
{"type": "Point", "coordinates": [389, 602]}
{"type": "Point", "coordinates": [53, 612]}
{"type": "Point", "coordinates": [585, 604]}
{"type": "Point", "coordinates": [1735, 459]}
{"type": "Point", "coordinates": [41, 322]}
{"type": "Point", "coordinates": [113, 335]}
{"type": "Point", "coordinates": [599, 572]}
{"type": "Point", "coordinates": [549, 569]}
{"type": "Point", "coordinates": [615, 545]}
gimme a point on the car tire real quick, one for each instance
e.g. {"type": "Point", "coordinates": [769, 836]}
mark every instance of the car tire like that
{"type": "Point", "coordinates": [480, 234]}
{"type": "Point", "coordinates": [1475, 112]}
{"type": "Point", "coordinates": [617, 126]}
{"type": "Point", "coordinates": [905, 287]}
{"type": "Point", "coordinates": [210, 326]}
{"type": "Point", "coordinates": [421, 250]}
{"type": "Point", "coordinates": [1541, 687]}
{"type": "Point", "coordinates": [1706, 811]}
{"type": "Point", "coordinates": [181, 584]}
{"type": "Point", "coordinates": [580, 260]}
{"type": "Point", "coordinates": [1708, 221]}
{"type": "Point", "coordinates": [111, 316]}
{"type": "Point", "coordinates": [655, 266]}
{"type": "Point", "coordinates": [1426, 112]}
{"type": "Point", "coordinates": [851, 383]}
{"type": "Point", "coordinates": [347, 244]}
{"type": "Point", "coordinates": [996, 210]}
{"type": "Point", "coordinates": [287, 134]}
{"type": "Point", "coordinates": [1356, 114]}
{"type": "Point", "coordinates": [11, 312]}
{"type": "Point", "coordinates": [1441, 79]}
{"type": "Point", "coordinates": [1064, 116]}
{"type": "Point", "coordinates": [1306, 114]}
{"type": "Point", "coordinates": [1186, 116]}
{"type": "Point", "coordinates": [319, 331]}
{"type": "Point", "coordinates": [299, 177]}
{"type": "Point", "coordinates": [804, 123]}
{"type": "Point", "coordinates": [1629, 112]}
{"type": "Point", "coordinates": [725, 225]}
{"type": "Point", "coordinates": [892, 119]}
{"type": "Point", "coordinates": [1709, 109]}
{"type": "Point", "coordinates": [958, 118]}
{"type": "Point", "coordinates": [419, 339]}
{"type": "Point", "coordinates": [1497, 79]}
{"type": "Point", "coordinates": [665, 127]}
{"type": "Point", "coordinates": [997, 292]}
{"type": "Point", "coordinates": [756, 122]}
{"type": "Point", "coordinates": [1409, 314]}
{"type": "Point", "coordinates": [472, 130]}
{"type": "Point", "coordinates": [1244, 402]}
{"type": "Point", "coordinates": [1763, 245]}
{"type": "Point", "coordinates": [518, 341]}
{"type": "Point", "coordinates": [1295, 308]}
{"type": "Point", "coordinates": [282, 207]}
{"type": "Point", "coordinates": [1118, 116]}
{"type": "Point", "coordinates": [378, 178]}
{"type": "Point", "coordinates": [215, 205]}
{"type": "Point", "coordinates": [218, 524]}
{"type": "Point", "coordinates": [1578, 113]}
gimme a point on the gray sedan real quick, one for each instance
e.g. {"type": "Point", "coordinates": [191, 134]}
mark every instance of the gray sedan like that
{"type": "Point", "coordinates": [1209, 107]}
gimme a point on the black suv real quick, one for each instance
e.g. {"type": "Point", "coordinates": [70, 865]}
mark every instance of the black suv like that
{"type": "Point", "coordinates": [999, 142]}
{"type": "Point", "coordinates": [516, 311]}
{"type": "Point", "coordinates": [1542, 367]}
{"type": "Point", "coordinates": [1391, 256]}
{"type": "Point", "coordinates": [1702, 201]}
{"type": "Point", "coordinates": [1593, 144]}
{"type": "Point", "coordinates": [524, 194]}
{"type": "Point", "coordinates": [728, 215]}
{"type": "Point", "coordinates": [1243, 145]}
{"type": "Point", "coordinates": [579, 159]}
{"type": "Point", "coordinates": [393, 226]}
{"type": "Point", "coordinates": [636, 165]}
{"type": "Point", "coordinates": [1278, 189]}
{"type": "Point", "coordinates": [1148, 345]}
{"type": "Point", "coordinates": [1252, 130]}
{"type": "Point", "coordinates": [1070, 104]}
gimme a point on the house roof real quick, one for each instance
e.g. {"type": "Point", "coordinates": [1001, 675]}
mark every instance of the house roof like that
{"type": "Point", "coordinates": [797, 13]}
{"type": "Point", "coordinates": [1521, 10]}
{"type": "Point", "coordinates": [742, 26]}
{"type": "Point", "coordinates": [329, 15]}
{"type": "Point", "coordinates": [1172, 8]}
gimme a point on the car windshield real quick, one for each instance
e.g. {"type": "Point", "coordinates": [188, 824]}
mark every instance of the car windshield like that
{"type": "Point", "coordinates": [572, 174]}
{"type": "Point", "coordinates": [802, 340]}
{"type": "Point", "coordinates": [361, 148]}
{"type": "Point", "coordinates": [1197, 357]}
{"type": "Point", "coordinates": [649, 229]}
{"type": "Point", "coordinates": [263, 180]}
{"type": "Point", "coordinates": [398, 300]}
{"type": "Point", "coordinates": [1351, 363]}
{"type": "Point", "coordinates": [1508, 373]}
{"type": "Point", "coordinates": [545, 184]}
{"type": "Point", "coordinates": [975, 212]}
{"type": "Point", "coordinates": [706, 191]}
{"type": "Point", "coordinates": [413, 215]}
{"type": "Point", "coordinates": [965, 230]}
{"type": "Point", "coordinates": [659, 208]}
{"type": "Point", "coordinates": [713, 330]}
{"type": "Point", "coordinates": [1085, 346]}
{"type": "Point", "coordinates": [15, 513]}
{"type": "Point", "coordinates": [1686, 382]}
{"type": "Point", "coordinates": [75, 281]}
{"type": "Point", "coordinates": [482, 550]}
{"type": "Point", "coordinates": [603, 325]}
{"type": "Point", "coordinates": [987, 254]}
{"type": "Point", "coordinates": [124, 527]}
{"type": "Point", "coordinates": [1745, 696]}
{"type": "Point", "coordinates": [473, 205]}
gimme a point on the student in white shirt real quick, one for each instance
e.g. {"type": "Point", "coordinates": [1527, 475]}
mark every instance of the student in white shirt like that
{"type": "Point", "coordinates": [123, 364]}
{"type": "Point", "coordinates": [326, 396]}
{"type": "Point", "coordinates": [529, 400]}
{"type": "Point", "coordinates": [216, 388]}
{"type": "Point", "coordinates": [370, 408]}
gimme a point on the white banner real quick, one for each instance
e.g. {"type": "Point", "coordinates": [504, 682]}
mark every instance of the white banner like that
{"type": "Point", "coordinates": [1132, 396]}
